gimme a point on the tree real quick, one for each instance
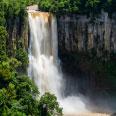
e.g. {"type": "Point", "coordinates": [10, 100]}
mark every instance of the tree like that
{"type": "Point", "coordinates": [92, 3]}
{"type": "Point", "coordinates": [27, 93]}
{"type": "Point", "coordinates": [51, 103]}
{"type": "Point", "coordinates": [59, 6]}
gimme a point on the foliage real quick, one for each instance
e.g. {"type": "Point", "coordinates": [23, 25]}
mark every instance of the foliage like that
{"type": "Point", "coordinates": [12, 100]}
{"type": "Point", "coordinates": [51, 103]}
{"type": "Point", "coordinates": [3, 37]}
{"type": "Point", "coordinates": [27, 93]}
{"type": "Point", "coordinates": [77, 6]}
{"type": "Point", "coordinates": [18, 94]}
{"type": "Point", "coordinates": [59, 6]}
{"type": "Point", "coordinates": [22, 56]}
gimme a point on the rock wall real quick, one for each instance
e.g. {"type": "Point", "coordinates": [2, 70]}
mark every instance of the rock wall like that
{"type": "Point", "coordinates": [78, 37]}
{"type": "Point", "coordinates": [17, 29]}
{"type": "Point", "coordinates": [80, 33]}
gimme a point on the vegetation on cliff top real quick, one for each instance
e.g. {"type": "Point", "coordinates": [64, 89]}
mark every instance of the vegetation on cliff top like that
{"type": "Point", "coordinates": [77, 6]}
{"type": "Point", "coordinates": [12, 8]}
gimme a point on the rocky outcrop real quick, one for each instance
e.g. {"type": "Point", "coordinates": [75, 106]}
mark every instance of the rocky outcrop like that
{"type": "Point", "coordinates": [82, 33]}
{"type": "Point", "coordinates": [33, 7]}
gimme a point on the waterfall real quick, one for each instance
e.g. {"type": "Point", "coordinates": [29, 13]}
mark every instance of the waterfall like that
{"type": "Point", "coordinates": [43, 60]}
{"type": "Point", "coordinates": [43, 52]}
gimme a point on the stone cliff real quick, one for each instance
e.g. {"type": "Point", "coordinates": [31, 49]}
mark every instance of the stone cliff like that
{"type": "Point", "coordinates": [85, 47]}
{"type": "Point", "coordinates": [76, 33]}
{"type": "Point", "coordinates": [17, 28]}
{"type": "Point", "coordinates": [79, 33]}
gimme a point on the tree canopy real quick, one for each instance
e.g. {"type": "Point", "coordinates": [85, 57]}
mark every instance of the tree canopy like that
{"type": "Point", "coordinates": [77, 6]}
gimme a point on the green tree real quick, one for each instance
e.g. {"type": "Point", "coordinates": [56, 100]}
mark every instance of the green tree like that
{"type": "Point", "coordinates": [51, 103]}
{"type": "Point", "coordinates": [27, 93]}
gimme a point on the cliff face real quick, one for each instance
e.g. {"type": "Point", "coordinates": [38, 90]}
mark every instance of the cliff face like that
{"type": "Point", "coordinates": [76, 33]}
{"type": "Point", "coordinates": [78, 36]}
{"type": "Point", "coordinates": [79, 33]}
{"type": "Point", "coordinates": [18, 32]}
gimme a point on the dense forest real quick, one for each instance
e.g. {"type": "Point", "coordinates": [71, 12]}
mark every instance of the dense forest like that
{"type": "Point", "coordinates": [19, 95]}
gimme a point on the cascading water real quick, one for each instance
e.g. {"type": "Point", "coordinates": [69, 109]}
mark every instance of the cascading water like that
{"type": "Point", "coordinates": [43, 51]}
{"type": "Point", "coordinates": [43, 68]}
